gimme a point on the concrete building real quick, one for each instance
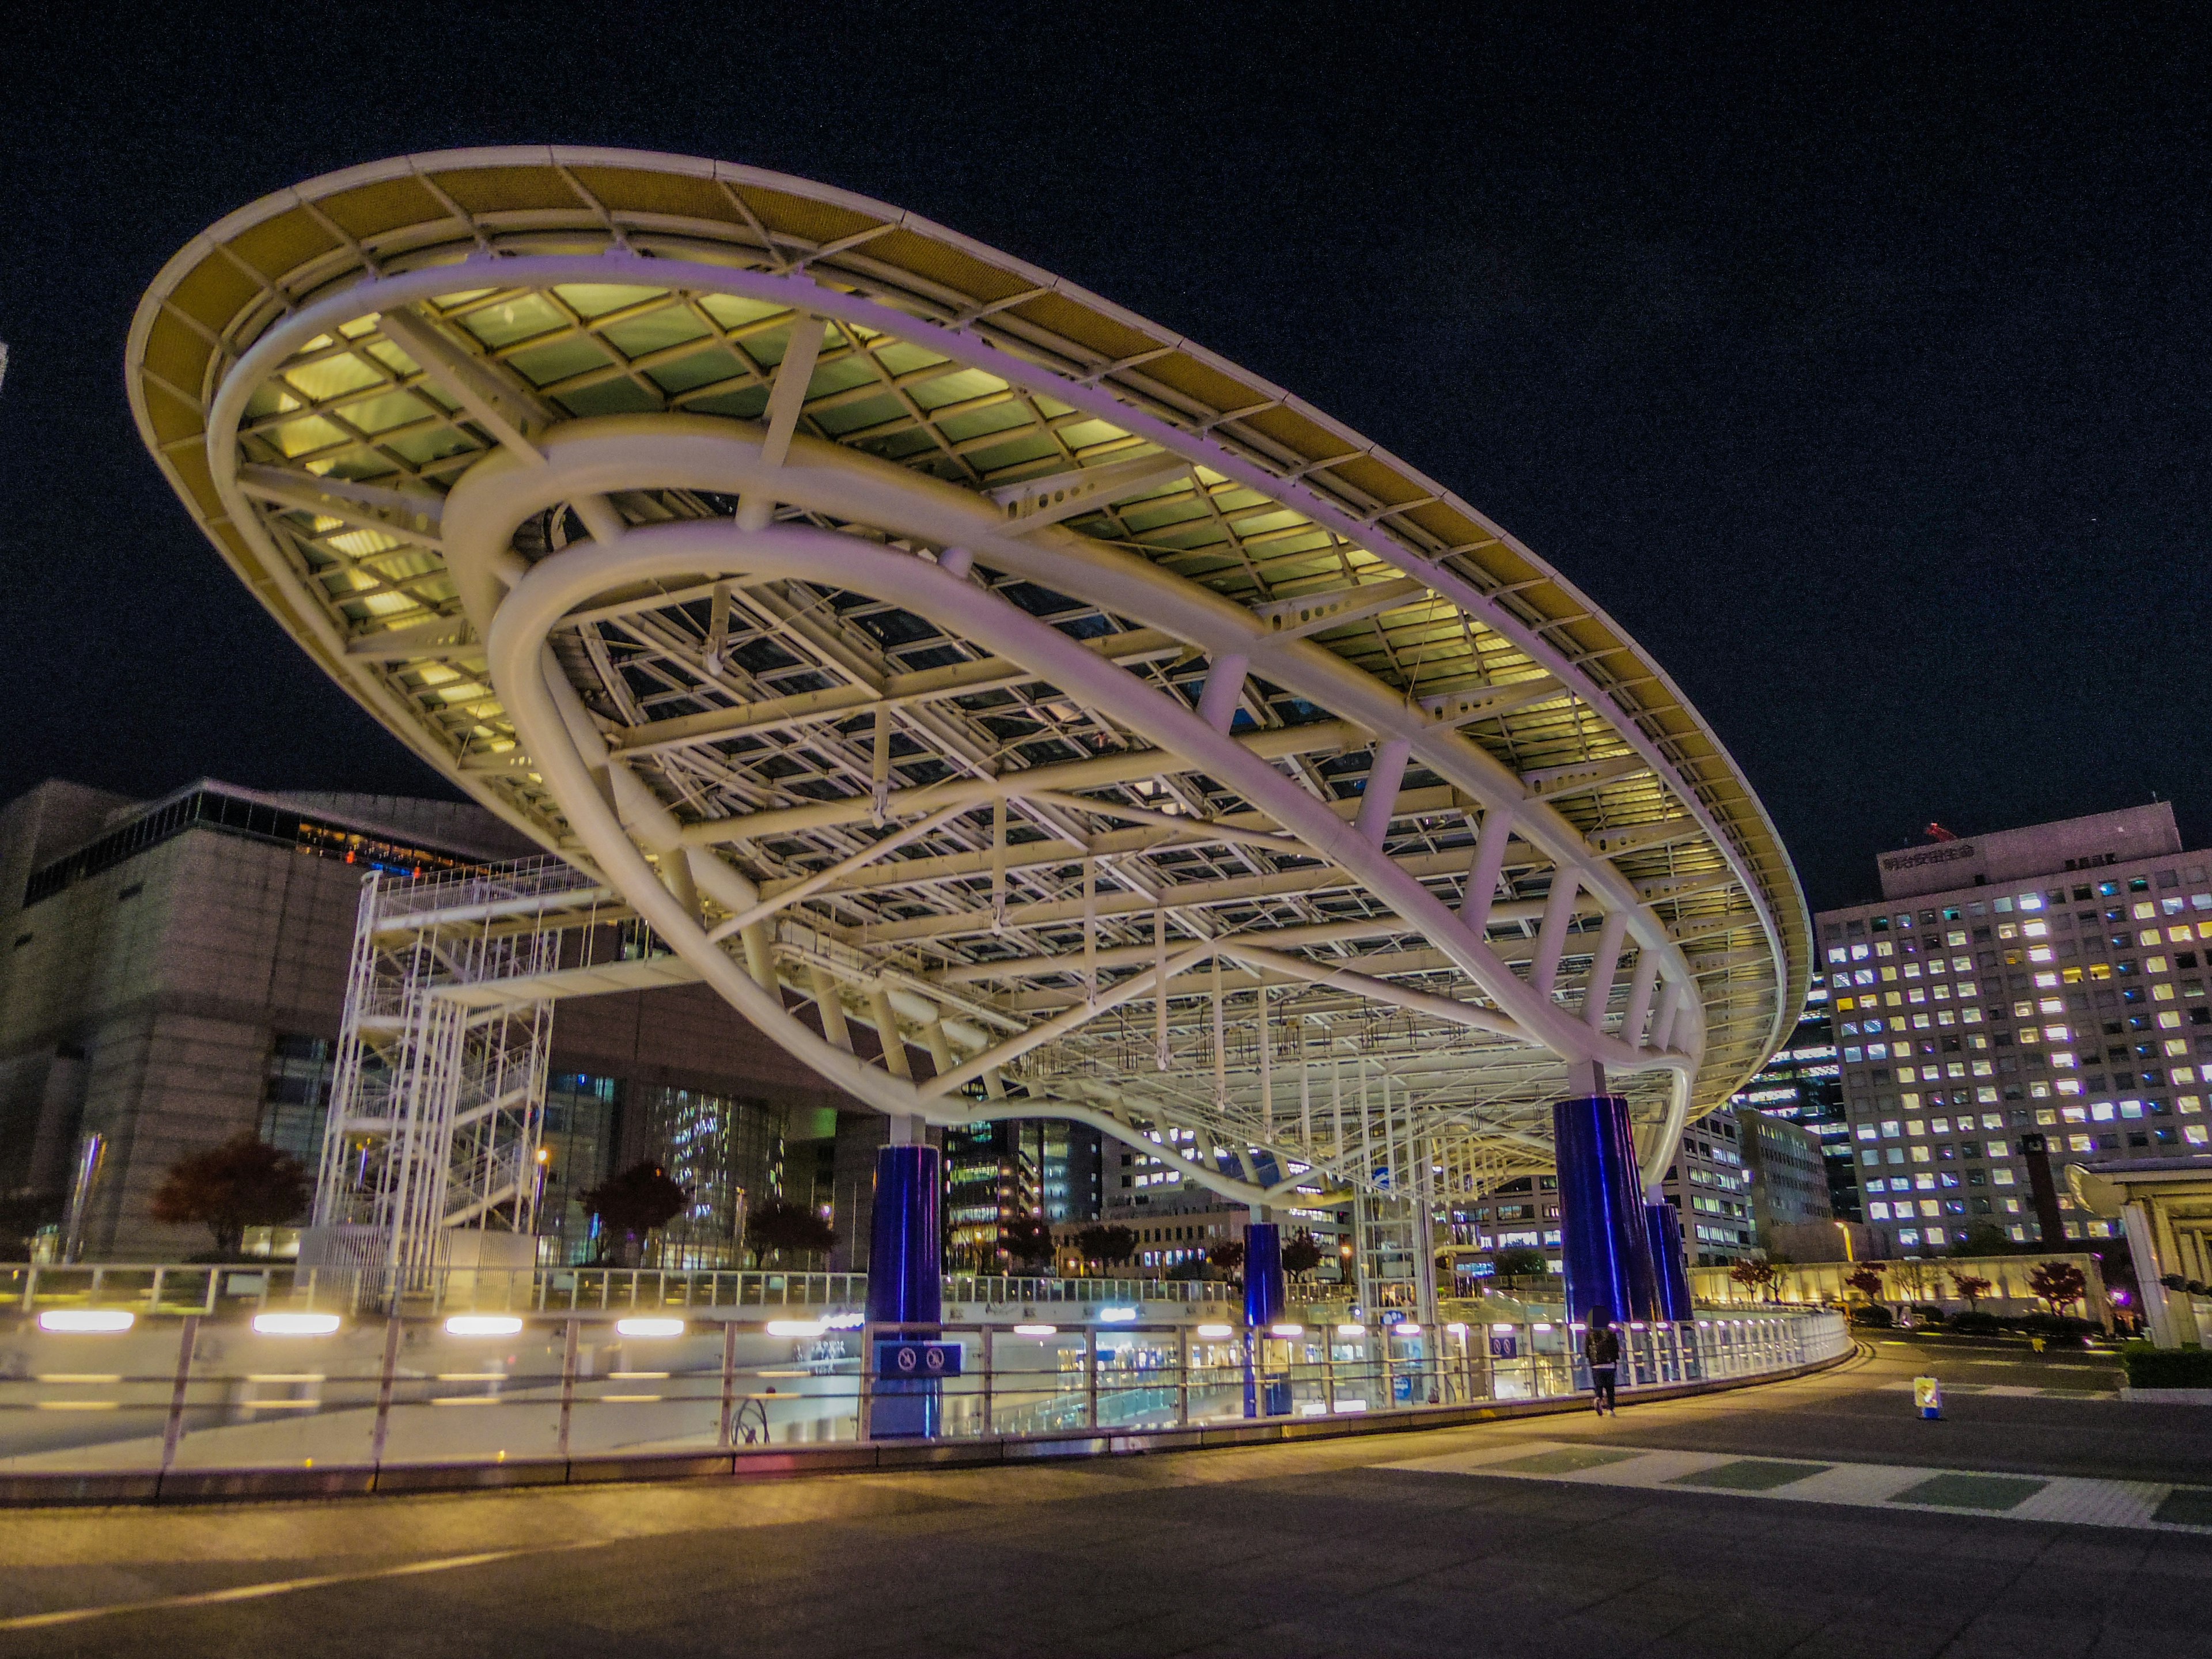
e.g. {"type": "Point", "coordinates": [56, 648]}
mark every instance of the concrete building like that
{"type": "Point", "coordinates": [1787, 1169]}
{"type": "Point", "coordinates": [1803, 1083]}
{"type": "Point", "coordinates": [174, 973]}
{"type": "Point", "coordinates": [1167, 1239]}
{"type": "Point", "coordinates": [1520, 1214]}
{"type": "Point", "coordinates": [1709, 1187]}
{"type": "Point", "coordinates": [1151, 1195]}
{"type": "Point", "coordinates": [2050, 978]}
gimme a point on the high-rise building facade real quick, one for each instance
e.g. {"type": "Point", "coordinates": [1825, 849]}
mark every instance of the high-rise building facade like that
{"type": "Point", "coordinates": [2047, 980]}
{"type": "Point", "coordinates": [1803, 1083]}
{"type": "Point", "coordinates": [1787, 1167]}
{"type": "Point", "coordinates": [1709, 1187]}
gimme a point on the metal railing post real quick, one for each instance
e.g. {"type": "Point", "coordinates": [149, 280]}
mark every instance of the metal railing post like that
{"type": "Point", "coordinates": [864, 1382]}
{"type": "Point", "coordinates": [569, 1345]}
{"type": "Point", "coordinates": [384, 1376]}
{"type": "Point", "coordinates": [990, 1365]}
{"type": "Point", "coordinates": [727, 1438]}
{"type": "Point", "coordinates": [1182, 1377]}
{"type": "Point", "coordinates": [1091, 1374]}
{"type": "Point", "coordinates": [173, 1431]}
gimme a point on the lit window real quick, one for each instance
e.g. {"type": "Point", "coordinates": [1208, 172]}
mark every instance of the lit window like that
{"type": "Point", "coordinates": [2153, 964]}
{"type": "Point", "coordinates": [1866, 1132]}
{"type": "Point", "coordinates": [2031, 901]}
{"type": "Point", "coordinates": [1909, 1237]}
{"type": "Point", "coordinates": [2081, 1143]}
{"type": "Point", "coordinates": [2188, 1103]}
{"type": "Point", "coordinates": [2176, 1046]}
{"type": "Point", "coordinates": [2035, 929]}
{"type": "Point", "coordinates": [2143, 910]}
{"type": "Point", "coordinates": [1920, 1155]}
{"type": "Point", "coordinates": [2045, 981]}
{"type": "Point", "coordinates": [2074, 1114]}
{"type": "Point", "coordinates": [2001, 1177]}
{"type": "Point", "coordinates": [2194, 1133]}
{"type": "Point", "coordinates": [1878, 1211]}
{"type": "Point", "coordinates": [2101, 1111]}
{"type": "Point", "coordinates": [1915, 1126]}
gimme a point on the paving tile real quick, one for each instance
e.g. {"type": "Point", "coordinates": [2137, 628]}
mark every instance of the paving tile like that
{"type": "Point", "coordinates": [1749, 1474]}
{"type": "Point", "coordinates": [2186, 1506]}
{"type": "Point", "coordinates": [1994, 1493]}
{"type": "Point", "coordinates": [1566, 1460]}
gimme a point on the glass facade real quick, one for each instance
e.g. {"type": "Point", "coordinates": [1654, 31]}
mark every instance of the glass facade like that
{"type": "Point", "coordinates": [726, 1151]}
{"type": "Point", "coordinates": [234, 814]}
{"type": "Point", "coordinates": [1803, 1083]}
{"type": "Point", "coordinates": [578, 1143]}
{"type": "Point", "coordinates": [295, 1094]}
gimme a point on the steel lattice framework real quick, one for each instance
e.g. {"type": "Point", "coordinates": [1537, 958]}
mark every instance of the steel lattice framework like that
{"type": "Point", "coordinates": [1008, 707]}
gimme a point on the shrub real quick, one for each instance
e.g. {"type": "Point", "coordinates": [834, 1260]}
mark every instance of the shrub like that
{"type": "Point", "coordinates": [1976, 1324]}
{"type": "Point", "coordinates": [1873, 1314]}
{"type": "Point", "coordinates": [2167, 1367]}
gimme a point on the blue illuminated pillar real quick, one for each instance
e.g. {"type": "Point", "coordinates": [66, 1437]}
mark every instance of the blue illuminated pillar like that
{"type": "Point", "coordinates": [905, 1281]}
{"type": "Point", "coordinates": [1673, 1276]}
{"type": "Point", "coordinates": [1607, 1236]}
{"type": "Point", "coordinates": [1266, 1393]}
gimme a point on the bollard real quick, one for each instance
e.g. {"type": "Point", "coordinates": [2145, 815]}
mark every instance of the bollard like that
{"type": "Point", "coordinates": [1927, 1396]}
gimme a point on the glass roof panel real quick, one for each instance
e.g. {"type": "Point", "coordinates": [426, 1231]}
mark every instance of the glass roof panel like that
{"type": "Point", "coordinates": [589, 300]}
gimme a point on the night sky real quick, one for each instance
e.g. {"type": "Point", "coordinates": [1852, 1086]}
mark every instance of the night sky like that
{"type": "Point", "coordinates": [1856, 360]}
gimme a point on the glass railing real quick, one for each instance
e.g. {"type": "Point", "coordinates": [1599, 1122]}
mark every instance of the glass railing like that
{"type": "Point", "coordinates": [94, 1387]}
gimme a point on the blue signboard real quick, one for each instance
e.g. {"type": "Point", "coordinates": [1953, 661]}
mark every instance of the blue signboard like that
{"type": "Point", "coordinates": [1505, 1345]}
{"type": "Point", "coordinates": [917, 1359]}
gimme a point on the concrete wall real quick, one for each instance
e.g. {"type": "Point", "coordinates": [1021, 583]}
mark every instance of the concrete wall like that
{"type": "Point", "coordinates": [142, 1003]}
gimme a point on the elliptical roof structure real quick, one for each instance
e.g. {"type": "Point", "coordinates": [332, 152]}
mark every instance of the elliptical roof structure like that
{"type": "Point", "coordinates": [1008, 706]}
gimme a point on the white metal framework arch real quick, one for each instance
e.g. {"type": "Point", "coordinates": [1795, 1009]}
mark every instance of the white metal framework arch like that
{"type": "Point", "coordinates": [1010, 710]}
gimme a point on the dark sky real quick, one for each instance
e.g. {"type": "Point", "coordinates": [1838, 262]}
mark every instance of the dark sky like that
{"type": "Point", "coordinates": [1856, 359]}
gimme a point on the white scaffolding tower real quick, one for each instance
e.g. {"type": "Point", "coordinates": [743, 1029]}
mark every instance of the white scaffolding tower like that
{"type": "Point", "coordinates": [439, 1091]}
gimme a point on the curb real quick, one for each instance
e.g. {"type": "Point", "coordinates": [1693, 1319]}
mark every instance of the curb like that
{"type": "Point", "coordinates": [796, 1462]}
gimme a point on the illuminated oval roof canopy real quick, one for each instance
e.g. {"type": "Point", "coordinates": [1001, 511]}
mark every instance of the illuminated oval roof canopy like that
{"type": "Point", "coordinates": [1008, 706]}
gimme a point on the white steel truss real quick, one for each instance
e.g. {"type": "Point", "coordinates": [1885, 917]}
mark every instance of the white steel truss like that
{"type": "Point", "coordinates": [439, 1092]}
{"type": "Point", "coordinates": [1008, 707]}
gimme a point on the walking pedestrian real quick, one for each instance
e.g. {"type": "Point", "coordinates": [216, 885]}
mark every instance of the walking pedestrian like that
{"type": "Point", "coordinates": [1601, 1348]}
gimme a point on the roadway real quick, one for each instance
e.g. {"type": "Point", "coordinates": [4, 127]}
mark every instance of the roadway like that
{"type": "Point", "coordinates": [1806, 1519]}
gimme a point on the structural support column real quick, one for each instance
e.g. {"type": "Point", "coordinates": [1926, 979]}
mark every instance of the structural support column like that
{"type": "Point", "coordinates": [1266, 1385]}
{"type": "Point", "coordinates": [1603, 1225]}
{"type": "Point", "coordinates": [905, 1283]}
{"type": "Point", "coordinates": [1669, 1268]}
{"type": "Point", "coordinates": [2043, 1191]}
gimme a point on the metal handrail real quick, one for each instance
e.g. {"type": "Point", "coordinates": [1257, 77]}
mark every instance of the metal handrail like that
{"type": "Point", "coordinates": [202, 1287]}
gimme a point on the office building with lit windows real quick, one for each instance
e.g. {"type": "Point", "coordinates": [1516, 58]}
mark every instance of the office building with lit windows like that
{"type": "Point", "coordinates": [1803, 1083]}
{"type": "Point", "coordinates": [1710, 1190]}
{"type": "Point", "coordinates": [1522, 1215]}
{"type": "Point", "coordinates": [2050, 979]}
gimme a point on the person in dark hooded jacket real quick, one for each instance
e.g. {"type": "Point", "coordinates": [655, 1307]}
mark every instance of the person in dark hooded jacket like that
{"type": "Point", "coordinates": [1601, 1348]}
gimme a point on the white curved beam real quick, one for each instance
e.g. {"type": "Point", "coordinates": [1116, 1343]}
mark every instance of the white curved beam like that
{"type": "Point", "coordinates": [805, 297]}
